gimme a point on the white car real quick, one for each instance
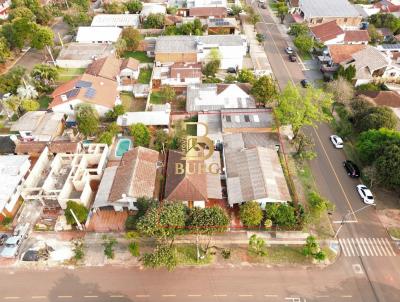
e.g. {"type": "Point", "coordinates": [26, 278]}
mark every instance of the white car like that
{"type": "Point", "coordinates": [11, 247]}
{"type": "Point", "coordinates": [336, 141]}
{"type": "Point", "coordinates": [289, 50]}
{"type": "Point", "coordinates": [365, 194]}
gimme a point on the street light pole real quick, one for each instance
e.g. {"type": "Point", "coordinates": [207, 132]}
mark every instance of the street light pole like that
{"type": "Point", "coordinates": [344, 217]}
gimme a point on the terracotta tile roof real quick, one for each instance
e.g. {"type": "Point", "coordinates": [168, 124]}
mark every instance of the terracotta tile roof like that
{"type": "Point", "coordinates": [185, 186]}
{"type": "Point", "coordinates": [294, 3]}
{"type": "Point", "coordinates": [30, 147]}
{"type": "Point", "coordinates": [186, 70]}
{"type": "Point", "coordinates": [105, 91]}
{"type": "Point", "coordinates": [326, 31]}
{"type": "Point", "coordinates": [208, 12]}
{"type": "Point", "coordinates": [63, 147]}
{"type": "Point", "coordinates": [356, 36]}
{"type": "Point", "coordinates": [342, 53]}
{"type": "Point", "coordinates": [384, 98]}
{"type": "Point", "coordinates": [172, 19]}
{"type": "Point", "coordinates": [385, 31]}
{"type": "Point", "coordinates": [130, 63]}
{"type": "Point", "coordinates": [107, 67]}
{"type": "Point", "coordinates": [135, 175]}
{"type": "Point", "coordinates": [246, 87]}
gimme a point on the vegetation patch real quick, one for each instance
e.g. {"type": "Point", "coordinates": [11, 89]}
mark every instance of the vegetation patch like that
{"type": "Point", "coordinates": [141, 56]}
{"type": "Point", "coordinates": [145, 75]}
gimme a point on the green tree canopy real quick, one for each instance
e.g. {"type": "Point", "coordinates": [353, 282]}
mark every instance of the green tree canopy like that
{"type": "Point", "coordinates": [376, 118]}
{"type": "Point", "coordinates": [162, 256]}
{"type": "Point", "coordinates": [251, 213]}
{"type": "Point", "coordinates": [347, 73]}
{"type": "Point", "coordinates": [87, 119]}
{"type": "Point", "coordinates": [114, 113]}
{"type": "Point", "coordinates": [29, 105]}
{"type": "Point", "coordinates": [282, 10]}
{"type": "Point", "coordinates": [302, 107]}
{"type": "Point", "coordinates": [167, 93]}
{"type": "Point", "coordinates": [208, 220]}
{"type": "Point", "coordinates": [246, 76]}
{"type": "Point", "coordinates": [265, 89]}
{"type": "Point", "coordinates": [132, 38]}
{"type": "Point", "coordinates": [388, 166]}
{"type": "Point", "coordinates": [106, 138]}
{"type": "Point", "coordinates": [10, 81]}
{"type": "Point", "coordinates": [304, 43]}
{"type": "Point", "coordinates": [298, 29]}
{"type": "Point", "coordinates": [5, 52]}
{"type": "Point", "coordinates": [42, 36]}
{"type": "Point", "coordinates": [21, 12]}
{"type": "Point", "coordinates": [80, 211]}
{"type": "Point", "coordinates": [154, 21]}
{"type": "Point", "coordinates": [44, 76]}
{"type": "Point", "coordinates": [141, 134]}
{"type": "Point", "coordinates": [134, 6]}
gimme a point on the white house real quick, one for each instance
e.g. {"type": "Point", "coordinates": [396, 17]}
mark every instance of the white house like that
{"type": "Point", "coordinates": [13, 169]}
{"type": "Point", "coordinates": [116, 20]}
{"type": "Point", "coordinates": [178, 74]}
{"type": "Point", "coordinates": [100, 92]}
{"type": "Point", "coordinates": [4, 7]}
{"type": "Point", "coordinates": [152, 8]}
{"type": "Point", "coordinates": [207, 97]}
{"type": "Point", "coordinates": [88, 34]}
{"type": "Point", "coordinates": [149, 118]}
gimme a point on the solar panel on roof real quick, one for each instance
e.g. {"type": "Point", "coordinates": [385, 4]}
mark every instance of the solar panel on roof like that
{"type": "Point", "coordinates": [83, 84]}
{"type": "Point", "coordinates": [90, 93]}
{"type": "Point", "coordinates": [72, 93]}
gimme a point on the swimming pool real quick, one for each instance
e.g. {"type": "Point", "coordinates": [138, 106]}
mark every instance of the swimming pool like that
{"type": "Point", "coordinates": [124, 145]}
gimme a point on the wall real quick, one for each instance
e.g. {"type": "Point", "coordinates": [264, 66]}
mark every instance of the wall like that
{"type": "Point", "coordinates": [65, 108]}
{"type": "Point", "coordinates": [73, 63]}
{"type": "Point", "coordinates": [176, 57]}
{"type": "Point", "coordinates": [352, 22]}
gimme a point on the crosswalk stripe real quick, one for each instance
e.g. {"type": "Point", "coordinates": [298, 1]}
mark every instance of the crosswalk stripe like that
{"type": "Point", "coordinates": [364, 240]}
{"type": "Point", "coordinates": [390, 247]}
{"type": "Point", "coordinates": [384, 251]}
{"type": "Point", "coordinates": [377, 247]}
{"type": "Point", "coordinates": [386, 248]}
{"type": "Point", "coordinates": [344, 247]}
{"type": "Point", "coordinates": [351, 247]}
{"type": "Point", "coordinates": [372, 246]}
{"type": "Point", "coordinates": [364, 247]}
{"type": "Point", "coordinates": [359, 247]}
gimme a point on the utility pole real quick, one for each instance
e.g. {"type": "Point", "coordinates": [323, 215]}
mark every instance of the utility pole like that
{"type": "Point", "coordinates": [345, 216]}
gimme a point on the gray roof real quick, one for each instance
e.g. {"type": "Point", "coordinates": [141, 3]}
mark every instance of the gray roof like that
{"type": "Point", "coordinates": [246, 118]}
{"type": "Point", "coordinates": [367, 61]}
{"type": "Point", "coordinates": [327, 8]}
{"type": "Point", "coordinates": [189, 43]}
{"type": "Point", "coordinates": [105, 186]}
{"type": "Point", "coordinates": [83, 51]}
{"type": "Point", "coordinates": [234, 142]}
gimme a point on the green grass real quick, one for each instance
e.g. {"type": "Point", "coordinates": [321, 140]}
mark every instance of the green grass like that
{"type": "Point", "coordinates": [187, 255]}
{"type": "Point", "coordinates": [155, 98]}
{"type": "Point", "coordinates": [44, 101]}
{"type": "Point", "coordinates": [145, 75]}
{"type": "Point", "coordinates": [67, 74]}
{"type": "Point", "coordinates": [283, 255]}
{"type": "Point", "coordinates": [394, 232]}
{"type": "Point", "coordinates": [305, 56]}
{"type": "Point", "coordinates": [138, 55]}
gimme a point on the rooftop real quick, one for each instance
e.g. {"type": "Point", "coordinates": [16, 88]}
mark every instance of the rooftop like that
{"type": "Point", "coordinates": [83, 51]}
{"type": "Point", "coordinates": [342, 53]}
{"type": "Point", "coordinates": [153, 8]}
{"type": "Point", "coordinates": [356, 36]}
{"type": "Point", "coordinates": [7, 145]}
{"type": "Point", "coordinates": [123, 20]}
{"type": "Point", "coordinates": [327, 8]}
{"type": "Point", "coordinates": [326, 31]}
{"type": "Point", "coordinates": [246, 118]}
{"type": "Point", "coordinates": [95, 34]}
{"type": "Point", "coordinates": [207, 11]}
{"type": "Point", "coordinates": [384, 98]}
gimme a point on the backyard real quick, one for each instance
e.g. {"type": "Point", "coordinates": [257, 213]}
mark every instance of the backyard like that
{"type": "Point", "coordinates": [131, 103]}
{"type": "Point", "coordinates": [145, 75]}
{"type": "Point", "coordinates": [66, 74]}
{"type": "Point", "coordinates": [138, 55]}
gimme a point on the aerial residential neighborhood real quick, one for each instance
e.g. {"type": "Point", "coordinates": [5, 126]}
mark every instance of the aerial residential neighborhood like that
{"type": "Point", "coordinates": [200, 150]}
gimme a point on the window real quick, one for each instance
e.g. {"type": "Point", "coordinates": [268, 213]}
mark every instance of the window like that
{"type": "Point", "coordinates": [228, 118]}
{"type": "Point", "coordinates": [256, 118]}
{"type": "Point", "coordinates": [247, 119]}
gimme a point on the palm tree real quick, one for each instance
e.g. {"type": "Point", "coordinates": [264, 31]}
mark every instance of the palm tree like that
{"type": "Point", "coordinates": [44, 73]}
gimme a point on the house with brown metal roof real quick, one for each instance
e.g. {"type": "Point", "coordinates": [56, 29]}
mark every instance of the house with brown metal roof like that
{"type": "Point", "coordinates": [193, 182]}
{"type": "Point", "coordinates": [328, 33]}
{"type": "Point", "coordinates": [356, 37]}
{"type": "Point", "coordinates": [134, 177]}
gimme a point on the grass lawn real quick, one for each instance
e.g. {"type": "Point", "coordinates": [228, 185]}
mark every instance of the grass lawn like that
{"type": "Point", "coordinates": [138, 55]}
{"type": "Point", "coordinates": [44, 101]}
{"type": "Point", "coordinates": [145, 75]}
{"type": "Point", "coordinates": [155, 98]}
{"type": "Point", "coordinates": [305, 56]}
{"type": "Point", "coordinates": [187, 255]}
{"type": "Point", "coordinates": [132, 104]}
{"type": "Point", "coordinates": [66, 74]}
{"type": "Point", "coordinates": [282, 255]}
{"type": "Point", "coordinates": [394, 232]}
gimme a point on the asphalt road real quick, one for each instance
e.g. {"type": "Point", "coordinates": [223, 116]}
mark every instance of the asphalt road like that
{"type": "Point", "coordinates": [362, 228]}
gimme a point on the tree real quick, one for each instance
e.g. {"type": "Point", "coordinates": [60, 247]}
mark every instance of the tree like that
{"type": "Point", "coordinates": [348, 73]}
{"type": "Point", "coordinates": [167, 93]}
{"type": "Point", "coordinates": [246, 76]}
{"type": "Point", "coordinates": [44, 76]}
{"type": "Point", "coordinates": [230, 78]}
{"type": "Point", "coordinates": [370, 144]}
{"type": "Point", "coordinates": [161, 140]}
{"type": "Point", "coordinates": [376, 118]}
{"type": "Point", "coordinates": [282, 11]}
{"type": "Point", "coordinates": [80, 211]}
{"type": "Point", "coordinates": [109, 243]}
{"type": "Point", "coordinates": [5, 52]}
{"type": "Point", "coordinates": [298, 29]}
{"type": "Point", "coordinates": [317, 203]}
{"type": "Point", "coordinates": [132, 37]}
{"type": "Point", "coordinates": [120, 47]}
{"type": "Point", "coordinates": [154, 21]}
{"type": "Point", "coordinates": [254, 18]}
{"type": "Point", "coordinates": [87, 119]}
{"type": "Point", "coordinates": [29, 105]}
{"type": "Point", "coordinates": [162, 256]}
{"type": "Point", "coordinates": [163, 222]}
{"type": "Point", "coordinates": [13, 104]}
{"type": "Point", "coordinates": [141, 134]}
{"type": "Point", "coordinates": [374, 36]}
{"type": "Point", "coordinates": [302, 107]}
{"type": "Point", "coordinates": [388, 166]}
{"type": "Point", "coordinates": [106, 138]}
{"type": "Point", "coordinates": [211, 68]}
{"type": "Point", "coordinates": [75, 19]}
{"type": "Point", "coordinates": [10, 81]}
{"type": "Point", "coordinates": [114, 113]}
{"type": "Point", "coordinates": [257, 245]}
{"type": "Point", "coordinates": [304, 43]}
{"type": "Point", "coordinates": [42, 36]}
{"type": "Point", "coordinates": [312, 248]}
{"type": "Point", "coordinates": [114, 8]}
{"type": "Point", "coordinates": [385, 20]}
{"type": "Point", "coordinates": [43, 15]}
{"type": "Point", "coordinates": [27, 92]}
{"type": "Point", "coordinates": [370, 174]}
{"type": "Point", "coordinates": [285, 216]}
{"type": "Point", "coordinates": [341, 89]}
{"type": "Point", "coordinates": [251, 214]}
{"type": "Point", "coordinates": [265, 89]}
{"type": "Point", "coordinates": [236, 10]}
{"type": "Point", "coordinates": [303, 144]}
{"type": "Point", "coordinates": [18, 32]}
{"type": "Point", "coordinates": [21, 12]}
{"type": "Point", "coordinates": [134, 6]}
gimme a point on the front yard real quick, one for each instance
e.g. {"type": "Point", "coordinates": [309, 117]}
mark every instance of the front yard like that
{"type": "Point", "coordinates": [139, 55]}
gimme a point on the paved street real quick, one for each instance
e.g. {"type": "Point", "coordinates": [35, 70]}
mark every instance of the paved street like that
{"type": "Point", "coordinates": [333, 183]}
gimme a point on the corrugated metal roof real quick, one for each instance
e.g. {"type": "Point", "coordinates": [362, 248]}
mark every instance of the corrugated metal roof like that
{"type": "Point", "coordinates": [123, 20]}
{"type": "Point", "coordinates": [327, 8]}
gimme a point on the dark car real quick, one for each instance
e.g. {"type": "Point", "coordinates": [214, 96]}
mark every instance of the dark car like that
{"type": "Point", "coordinates": [305, 83]}
{"type": "Point", "coordinates": [31, 255]}
{"type": "Point", "coordinates": [292, 57]}
{"type": "Point", "coordinates": [231, 70]}
{"type": "Point", "coordinates": [351, 169]}
{"type": "Point", "coordinates": [3, 238]}
{"type": "Point", "coordinates": [263, 6]}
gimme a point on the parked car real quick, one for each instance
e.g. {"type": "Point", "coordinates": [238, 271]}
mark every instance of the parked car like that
{"type": "Point", "coordinates": [3, 238]}
{"type": "Point", "coordinates": [336, 141]}
{"type": "Point", "coordinates": [292, 57]}
{"type": "Point", "coordinates": [231, 70]}
{"type": "Point", "coordinates": [305, 83]}
{"type": "Point", "coordinates": [22, 230]}
{"type": "Point", "coordinates": [351, 169]}
{"type": "Point", "coordinates": [365, 194]}
{"type": "Point", "coordinates": [289, 50]}
{"type": "Point", "coordinates": [31, 255]}
{"type": "Point", "coordinates": [11, 247]}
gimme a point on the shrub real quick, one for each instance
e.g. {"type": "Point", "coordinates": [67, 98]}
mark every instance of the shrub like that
{"type": "Point", "coordinates": [226, 253]}
{"type": "Point", "coordinates": [6, 221]}
{"type": "Point", "coordinates": [130, 222]}
{"type": "Point", "coordinates": [251, 213]}
{"type": "Point", "coordinates": [257, 245]}
{"type": "Point", "coordinates": [80, 211]}
{"type": "Point", "coordinates": [163, 256]}
{"type": "Point", "coordinates": [268, 223]}
{"type": "Point", "coordinates": [134, 249]}
{"type": "Point", "coordinates": [79, 253]}
{"type": "Point", "coordinates": [109, 243]}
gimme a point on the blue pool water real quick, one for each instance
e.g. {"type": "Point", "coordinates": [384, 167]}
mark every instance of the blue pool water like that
{"type": "Point", "coordinates": [124, 145]}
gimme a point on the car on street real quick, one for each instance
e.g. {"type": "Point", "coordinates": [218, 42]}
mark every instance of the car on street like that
{"type": "Point", "coordinates": [305, 83]}
{"type": "Point", "coordinates": [292, 57]}
{"type": "Point", "coordinates": [289, 50]}
{"type": "Point", "coordinates": [31, 255]}
{"type": "Point", "coordinates": [336, 141]}
{"type": "Point", "coordinates": [365, 194]}
{"type": "Point", "coordinates": [3, 238]}
{"type": "Point", "coordinates": [231, 70]}
{"type": "Point", "coordinates": [11, 247]}
{"type": "Point", "coordinates": [351, 169]}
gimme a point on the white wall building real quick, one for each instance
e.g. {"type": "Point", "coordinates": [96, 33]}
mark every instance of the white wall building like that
{"type": "Point", "coordinates": [88, 34]}
{"type": "Point", "coordinates": [116, 20]}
